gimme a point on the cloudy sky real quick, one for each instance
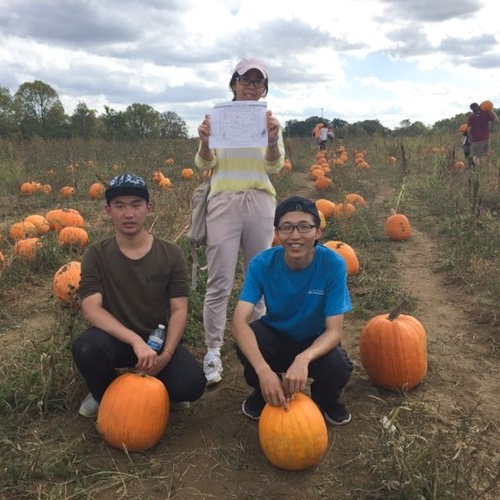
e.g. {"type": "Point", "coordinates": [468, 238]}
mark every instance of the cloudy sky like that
{"type": "Point", "coordinates": [391, 60]}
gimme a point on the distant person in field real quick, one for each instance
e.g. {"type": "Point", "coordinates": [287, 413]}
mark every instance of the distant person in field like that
{"type": "Point", "coordinates": [131, 282]}
{"type": "Point", "coordinates": [466, 147]}
{"type": "Point", "coordinates": [323, 137]}
{"type": "Point", "coordinates": [304, 285]}
{"type": "Point", "coordinates": [479, 132]}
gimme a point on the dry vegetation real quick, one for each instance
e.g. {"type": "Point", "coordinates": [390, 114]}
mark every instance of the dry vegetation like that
{"type": "Point", "coordinates": [440, 441]}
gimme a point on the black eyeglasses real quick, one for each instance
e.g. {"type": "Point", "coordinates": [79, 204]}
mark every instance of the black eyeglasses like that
{"type": "Point", "coordinates": [257, 83]}
{"type": "Point", "coordinates": [302, 228]}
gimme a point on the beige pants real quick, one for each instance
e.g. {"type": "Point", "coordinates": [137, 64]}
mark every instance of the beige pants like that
{"type": "Point", "coordinates": [242, 219]}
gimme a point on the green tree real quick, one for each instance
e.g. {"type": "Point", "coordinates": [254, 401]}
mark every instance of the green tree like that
{"type": "Point", "coordinates": [113, 123]}
{"type": "Point", "coordinates": [142, 121]}
{"type": "Point", "coordinates": [8, 124]}
{"type": "Point", "coordinates": [172, 126]}
{"type": "Point", "coordinates": [83, 121]}
{"type": "Point", "coordinates": [39, 110]}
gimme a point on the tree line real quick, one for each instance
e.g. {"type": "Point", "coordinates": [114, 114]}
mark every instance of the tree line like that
{"type": "Point", "coordinates": [35, 110]}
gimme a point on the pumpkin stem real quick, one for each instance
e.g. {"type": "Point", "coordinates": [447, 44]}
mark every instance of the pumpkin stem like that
{"type": "Point", "coordinates": [400, 195]}
{"type": "Point", "coordinates": [397, 310]}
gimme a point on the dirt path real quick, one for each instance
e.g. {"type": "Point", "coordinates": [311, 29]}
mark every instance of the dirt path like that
{"type": "Point", "coordinates": [462, 369]}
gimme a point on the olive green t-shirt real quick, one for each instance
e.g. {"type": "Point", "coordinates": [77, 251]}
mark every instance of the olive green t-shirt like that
{"type": "Point", "coordinates": [135, 292]}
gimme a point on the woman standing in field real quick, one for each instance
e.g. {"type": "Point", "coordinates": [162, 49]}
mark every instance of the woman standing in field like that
{"type": "Point", "coordinates": [241, 207]}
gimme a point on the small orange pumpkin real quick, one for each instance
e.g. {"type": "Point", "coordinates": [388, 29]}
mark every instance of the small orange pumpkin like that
{"type": "Point", "coordinates": [393, 350]}
{"type": "Point", "coordinates": [397, 227]}
{"type": "Point", "coordinates": [28, 188]}
{"type": "Point", "coordinates": [486, 105]}
{"type": "Point", "coordinates": [22, 229]}
{"type": "Point", "coordinates": [67, 281]}
{"type": "Point", "coordinates": [27, 248]}
{"type": "Point", "coordinates": [326, 207]}
{"type": "Point", "coordinates": [322, 182]}
{"type": "Point", "coordinates": [295, 439]}
{"type": "Point", "coordinates": [187, 173]}
{"type": "Point", "coordinates": [322, 220]}
{"type": "Point", "coordinates": [96, 190]}
{"type": "Point", "coordinates": [348, 253]}
{"type": "Point", "coordinates": [355, 199]}
{"type": "Point", "coordinates": [75, 237]}
{"type": "Point", "coordinates": [344, 210]}
{"type": "Point", "coordinates": [41, 224]}
{"type": "Point", "coordinates": [66, 191]}
{"type": "Point", "coordinates": [134, 412]}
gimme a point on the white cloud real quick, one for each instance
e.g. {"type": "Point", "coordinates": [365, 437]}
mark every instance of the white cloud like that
{"type": "Point", "coordinates": [365, 59]}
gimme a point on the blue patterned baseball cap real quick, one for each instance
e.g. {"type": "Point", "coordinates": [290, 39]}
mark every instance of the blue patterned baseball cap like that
{"type": "Point", "coordinates": [127, 185]}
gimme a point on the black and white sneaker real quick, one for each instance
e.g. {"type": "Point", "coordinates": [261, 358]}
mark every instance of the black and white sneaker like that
{"type": "Point", "coordinates": [252, 406]}
{"type": "Point", "coordinates": [336, 413]}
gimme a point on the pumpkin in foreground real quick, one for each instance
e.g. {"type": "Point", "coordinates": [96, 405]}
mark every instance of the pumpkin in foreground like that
{"type": "Point", "coordinates": [134, 412]}
{"type": "Point", "coordinates": [393, 350]}
{"type": "Point", "coordinates": [295, 439]}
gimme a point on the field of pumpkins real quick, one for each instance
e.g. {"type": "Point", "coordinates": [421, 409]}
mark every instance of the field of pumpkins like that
{"type": "Point", "coordinates": [410, 422]}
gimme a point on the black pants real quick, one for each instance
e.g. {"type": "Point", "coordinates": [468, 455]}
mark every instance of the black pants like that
{"type": "Point", "coordinates": [330, 373]}
{"type": "Point", "coordinates": [97, 355]}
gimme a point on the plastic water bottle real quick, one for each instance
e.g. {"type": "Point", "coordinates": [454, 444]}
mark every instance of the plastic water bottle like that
{"type": "Point", "coordinates": [156, 338]}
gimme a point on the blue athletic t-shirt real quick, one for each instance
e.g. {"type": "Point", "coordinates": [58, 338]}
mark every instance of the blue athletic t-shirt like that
{"type": "Point", "coordinates": [298, 301]}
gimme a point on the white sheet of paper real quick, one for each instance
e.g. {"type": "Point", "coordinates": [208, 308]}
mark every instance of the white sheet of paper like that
{"type": "Point", "coordinates": [238, 124]}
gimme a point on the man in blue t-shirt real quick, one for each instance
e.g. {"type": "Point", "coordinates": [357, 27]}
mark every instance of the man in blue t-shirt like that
{"type": "Point", "coordinates": [304, 286]}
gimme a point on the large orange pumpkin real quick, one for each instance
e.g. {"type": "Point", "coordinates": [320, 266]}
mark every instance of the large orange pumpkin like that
{"type": "Point", "coordinates": [393, 350]}
{"type": "Point", "coordinates": [67, 281]}
{"type": "Point", "coordinates": [348, 253]}
{"type": "Point", "coordinates": [397, 227]}
{"type": "Point", "coordinates": [134, 412]}
{"type": "Point", "coordinates": [295, 439]}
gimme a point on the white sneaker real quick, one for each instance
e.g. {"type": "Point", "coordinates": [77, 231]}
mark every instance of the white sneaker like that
{"type": "Point", "coordinates": [179, 405]}
{"type": "Point", "coordinates": [89, 407]}
{"type": "Point", "coordinates": [212, 366]}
